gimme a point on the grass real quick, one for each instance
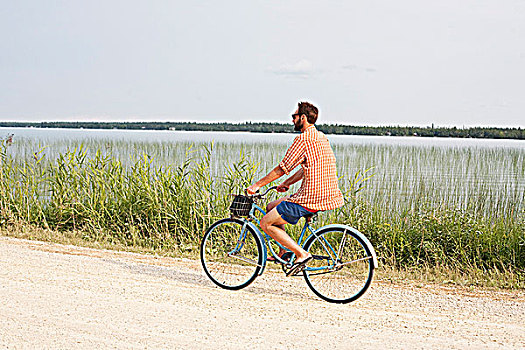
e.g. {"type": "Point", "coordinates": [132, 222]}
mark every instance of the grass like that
{"type": "Point", "coordinates": [462, 227]}
{"type": "Point", "coordinates": [414, 275]}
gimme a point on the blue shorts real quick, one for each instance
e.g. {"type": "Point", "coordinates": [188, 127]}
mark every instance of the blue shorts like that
{"type": "Point", "coordinates": [292, 212]}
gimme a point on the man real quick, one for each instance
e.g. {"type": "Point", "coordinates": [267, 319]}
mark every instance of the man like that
{"type": "Point", "coordinates": [319, 189]}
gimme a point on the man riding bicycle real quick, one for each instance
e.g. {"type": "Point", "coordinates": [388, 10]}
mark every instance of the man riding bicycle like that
{"type": "Point", "coordinates": [319, 189]}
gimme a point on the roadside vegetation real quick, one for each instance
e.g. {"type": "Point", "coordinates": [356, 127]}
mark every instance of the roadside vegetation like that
{"type": "Point", "coordinates": [95, 196]}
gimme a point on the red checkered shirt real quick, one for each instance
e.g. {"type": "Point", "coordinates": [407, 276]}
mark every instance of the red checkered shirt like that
{"type": "Point", "coordinates": [319, 189]}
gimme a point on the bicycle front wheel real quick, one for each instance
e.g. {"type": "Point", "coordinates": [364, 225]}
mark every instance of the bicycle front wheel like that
{"type": "Point", "coordinates": [231, 254]}
{"type": "Point", "coordinates": [342, 268]}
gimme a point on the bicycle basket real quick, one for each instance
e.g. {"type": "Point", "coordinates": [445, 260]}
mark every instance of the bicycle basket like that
{"type": "Point", "coordinates": [241, 205]}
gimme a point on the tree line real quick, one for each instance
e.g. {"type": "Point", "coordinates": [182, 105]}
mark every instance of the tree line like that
{"type": "Point", "coordinates": [338, 129]}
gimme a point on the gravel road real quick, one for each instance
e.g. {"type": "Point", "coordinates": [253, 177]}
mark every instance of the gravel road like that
{"type": "Point", "coordinates": [65, 297]}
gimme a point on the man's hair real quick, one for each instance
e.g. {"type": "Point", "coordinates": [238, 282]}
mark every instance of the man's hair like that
{"type": "Point", "coordinates": [309, 110]}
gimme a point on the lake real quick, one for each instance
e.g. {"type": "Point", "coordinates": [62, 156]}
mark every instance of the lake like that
{"type": "Point", "coordinates": [53, 135]}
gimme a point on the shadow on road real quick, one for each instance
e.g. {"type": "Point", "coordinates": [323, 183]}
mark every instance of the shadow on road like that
{"type": "Point", "coordinates": [199, 279]}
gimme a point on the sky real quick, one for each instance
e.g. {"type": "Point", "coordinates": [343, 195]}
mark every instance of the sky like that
{"type": "Point", "coordinates": [374, 62]}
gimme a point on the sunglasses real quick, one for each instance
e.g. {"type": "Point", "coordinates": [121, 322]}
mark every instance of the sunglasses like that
{"type": "Point", "coordinates": [296, 114]}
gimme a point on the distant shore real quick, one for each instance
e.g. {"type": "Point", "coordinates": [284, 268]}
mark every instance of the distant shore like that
{"type": "Point", "coordinates": [336, 129]}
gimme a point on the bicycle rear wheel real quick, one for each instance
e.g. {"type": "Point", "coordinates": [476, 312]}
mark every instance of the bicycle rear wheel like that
{"type": "Point", "coordinates": [342, 268]}
{"type": "Point", "coordinates": [230, 255]}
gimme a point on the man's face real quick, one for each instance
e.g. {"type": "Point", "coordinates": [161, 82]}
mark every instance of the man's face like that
{"type": "Point", "coordinates": [297, 122]}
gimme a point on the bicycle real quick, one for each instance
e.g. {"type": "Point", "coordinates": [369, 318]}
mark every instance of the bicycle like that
{"type": "Point", "coordinates": [233, 253]}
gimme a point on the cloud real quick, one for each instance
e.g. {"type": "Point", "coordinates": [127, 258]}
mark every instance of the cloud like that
{"type": "Point", "coordinates": [301, 69]}
{"type": "Point", "coordinates": [361, 68]}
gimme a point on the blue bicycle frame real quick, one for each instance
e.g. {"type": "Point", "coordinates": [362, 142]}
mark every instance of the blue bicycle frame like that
{"type": "Point", "coordinates": [265, 242]}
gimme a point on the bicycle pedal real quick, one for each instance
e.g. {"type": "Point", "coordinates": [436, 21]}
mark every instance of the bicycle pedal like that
{"type": "Point", "coordinates": [298, 271]}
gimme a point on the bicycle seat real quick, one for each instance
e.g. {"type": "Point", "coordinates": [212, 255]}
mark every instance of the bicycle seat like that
{"type": "Point", "coordinates": [310, 217]}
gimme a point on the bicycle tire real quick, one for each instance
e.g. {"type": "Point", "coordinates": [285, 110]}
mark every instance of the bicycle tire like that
{"type": "Point", "coordinates": [227, 271]}
{"type": "Point", "coordinates": [352, 273]}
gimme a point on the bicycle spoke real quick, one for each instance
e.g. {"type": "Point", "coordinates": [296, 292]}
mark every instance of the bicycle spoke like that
{"type": "Point", "coordinates": [341, 245]}
{"type": "Point", "coordinates": [354, 261]}
{"type": "Point", "coordinates": [242, 258]}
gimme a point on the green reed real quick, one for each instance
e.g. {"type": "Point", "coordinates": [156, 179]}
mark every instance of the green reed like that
{"type": "Point", "coordinates": [419, 206]}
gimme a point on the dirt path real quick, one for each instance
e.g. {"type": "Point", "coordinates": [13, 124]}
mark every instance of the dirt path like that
{"type": "Point", "coordinates": [55, 296]}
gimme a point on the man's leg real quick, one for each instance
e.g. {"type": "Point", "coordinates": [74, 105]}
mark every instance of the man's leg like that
{"type": "Point", "coordinates": [271, 223]}
{"type": "Point", "coordinates": [269, 207]}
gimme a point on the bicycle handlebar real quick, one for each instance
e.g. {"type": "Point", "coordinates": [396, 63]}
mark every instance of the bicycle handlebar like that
{"type": "Point", "coordinates": [260, 195]}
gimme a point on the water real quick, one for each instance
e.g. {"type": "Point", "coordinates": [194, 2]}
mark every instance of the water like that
{"type": "Point", "coordinates": [51, 135]}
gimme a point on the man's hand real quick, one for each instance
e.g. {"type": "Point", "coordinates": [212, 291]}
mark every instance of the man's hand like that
{"type": "Point", "coordinates": [282, 188]}
{"type": "Point", "coordinates": [252, 189]}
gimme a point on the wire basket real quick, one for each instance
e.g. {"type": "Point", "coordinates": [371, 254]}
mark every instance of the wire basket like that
{"type": "Point", "coordinates": [241, 206]}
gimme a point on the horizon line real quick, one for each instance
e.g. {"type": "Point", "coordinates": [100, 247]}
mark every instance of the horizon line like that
{"type": "Point", "coordinates": [431, 125]}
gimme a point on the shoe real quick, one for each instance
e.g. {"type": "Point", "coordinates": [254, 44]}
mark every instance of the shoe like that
{"type": "Point", "coordinates": [298, 266]}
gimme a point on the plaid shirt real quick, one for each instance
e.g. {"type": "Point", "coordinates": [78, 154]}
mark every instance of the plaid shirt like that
{"type": "Point", "coordinates": [319, 189]}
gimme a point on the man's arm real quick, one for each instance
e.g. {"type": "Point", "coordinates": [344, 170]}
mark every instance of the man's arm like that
{"type": "Point", "coordinates": [273, 175]}
{"type": "Point", "coordinates": [291, 180]}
